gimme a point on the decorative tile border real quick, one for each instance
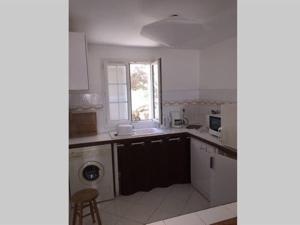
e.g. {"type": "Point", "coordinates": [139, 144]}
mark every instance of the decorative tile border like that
{"type": "Point", "coordinates": [196, 102]}
{"type": "Point", "coordinates": [85, 108]}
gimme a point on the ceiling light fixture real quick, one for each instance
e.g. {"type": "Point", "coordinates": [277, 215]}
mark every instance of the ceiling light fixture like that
{"type": "Point", "coordinates": [173, 31]}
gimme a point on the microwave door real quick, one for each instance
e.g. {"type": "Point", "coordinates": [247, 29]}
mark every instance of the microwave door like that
{"type": "Point", "coordinates": [215, 123]}
{"type": "Point", "coordinates": [229, 125]}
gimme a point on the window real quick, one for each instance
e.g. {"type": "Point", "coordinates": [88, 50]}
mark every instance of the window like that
{"type": "Point", "coordinates": [155, 68]}
{"type": "Point", "coordinates": [141, 91]}
{"type": "Point", "coordinates": [117, 92]}
{"type": "Point", "coordinates": [134, 91]}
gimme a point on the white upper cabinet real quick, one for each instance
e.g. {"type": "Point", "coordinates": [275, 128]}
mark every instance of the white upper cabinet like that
{"type": "Point", "coordinates": [78, 76]}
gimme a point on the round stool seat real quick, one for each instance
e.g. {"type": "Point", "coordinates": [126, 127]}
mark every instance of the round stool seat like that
{"type": "Point", "coordinates": [85, 195]}
{"type": "Point", "coordinates": [85, 198]}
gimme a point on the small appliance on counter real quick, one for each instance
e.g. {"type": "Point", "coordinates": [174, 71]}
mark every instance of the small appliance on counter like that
{"type": "Point", "coordinates": [124, 129]}
{"type": "Point", "coordinates": [224, 125]}
{"type": "Point", "coordinates": [214, 124]}
{"type": "Point", "coordinates": [177, 119]}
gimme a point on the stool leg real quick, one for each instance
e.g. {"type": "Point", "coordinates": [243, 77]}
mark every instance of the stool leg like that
{"type": "Point", "coordinates": [75, 214]}
{"type": "Point", "coordinates": [97, 212]}
{"type": "Point", "coordinates": [80, 214]}
{"type": "Point", "coordinates": [92, 211]}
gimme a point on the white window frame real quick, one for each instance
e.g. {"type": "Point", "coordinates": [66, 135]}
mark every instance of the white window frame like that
{"type": "Point", "coordinates": [112, 123]}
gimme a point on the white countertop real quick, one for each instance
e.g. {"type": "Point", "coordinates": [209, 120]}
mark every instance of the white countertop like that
{"type": "Point", "coordinates": [107, 137]}
{"type": "Point", "coordinates": [96, 138]}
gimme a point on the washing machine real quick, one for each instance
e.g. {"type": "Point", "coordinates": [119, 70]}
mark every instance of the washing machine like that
{"type": "Point", "coordinates": [91, 167]}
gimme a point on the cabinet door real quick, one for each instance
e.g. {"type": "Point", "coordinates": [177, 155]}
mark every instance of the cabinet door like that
{"type": "Point", "coordinates": [126, 186]}
{"type": "Point", "coordinates": [201, 163]}
{"type": "Point", "coordinates": [195, 164]}
{"type": "Point", "coordinates": [158, 164]}
{"type": "Point", "coordinates": [139, 164]}
{"type": "Point", "coordinates": [178, 160]}
{"type": "Point", "coordinates": [224, 185]}
{"type": "Point", "coordinates": [78, 77]}
{"type": "Point", "coordinates": [133, 168]}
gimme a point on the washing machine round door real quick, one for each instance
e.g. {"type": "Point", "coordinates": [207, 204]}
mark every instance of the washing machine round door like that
{"type": "Point", "coordinates": [91, 172]}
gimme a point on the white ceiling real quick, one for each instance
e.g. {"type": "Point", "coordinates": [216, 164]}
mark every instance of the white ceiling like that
{"type": "Point", "coordinates": [119, 22]}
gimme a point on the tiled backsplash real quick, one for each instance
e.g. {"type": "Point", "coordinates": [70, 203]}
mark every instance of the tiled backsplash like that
{"type": "Point", "coordinates": [197, 103]}
{"type": "Point", "coordinates": [83, 101]}
{"type": "Point", "coordinates": [196, 113]}
{"type": "Point", "coordinates": [196, 108]}
{"type": "Point", "coordinates": [219, 95]}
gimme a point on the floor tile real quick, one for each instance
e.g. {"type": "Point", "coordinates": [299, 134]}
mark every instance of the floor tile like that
{"type": "Point", "coordinates": [160, 215]}
{"type": "Point", "coordinates": [232, 207]}
{"type": "Point", "coordinates": [157, 223]}
{"type": "Point", "coordinates": [189, 219]}
{"type": "Point", "coordinates": [153, 198]}
{"type": "Point", "coordinates": [168, 208]}
{"type": "Point", "coordinates": [173, 205]}
{"type": "Point", "coordinates": [196, 202]}
{"type": "Point", "coordinates": [215, 214]}
{"type": "Point", "coordinates": [134, 198]}
{"type": "Point", "coordinates": [181, 192]}
{"type": "Point", "coordinates": [155, 205]}
{"type": "Point", "coordinates": [124, 221]}
{"type": "Point", "coordinates": [106, 219]}
{"type": "Point", "coordinates": [103, 205]}
{"type": "Point", "coordinates": [182, 187]}
{"type": "Point", "coordinates": [118, 207]}
{"type": "Point", "coordinates": [140, 213]}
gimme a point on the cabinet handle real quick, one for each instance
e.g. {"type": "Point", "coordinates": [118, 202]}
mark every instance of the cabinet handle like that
{"type": "Point", "coordinates": [138, 143]}
{"type": "Point", "coordinates": [120, 145]}
{"type": "Point", "coordinates": [157, 141]}
{"type": "Point", "coordinates": [174, 139]}
{"type": "Point", "coordinates": [211, 162]}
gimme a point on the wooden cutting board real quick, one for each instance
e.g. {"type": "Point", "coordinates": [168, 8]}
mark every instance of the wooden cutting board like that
{"type": "Point", "coordinates": [232, 221]}
{"type": "Point", "coordinates": [82, 124]}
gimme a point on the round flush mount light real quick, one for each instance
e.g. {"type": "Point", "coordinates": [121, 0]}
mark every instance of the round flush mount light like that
{"type": "Point", "coordinates": [173, 31]}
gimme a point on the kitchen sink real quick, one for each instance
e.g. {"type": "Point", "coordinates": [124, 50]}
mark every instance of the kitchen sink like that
{"type": "Point", "coordinates": [146, 131]}
{"type": "Point", "coordinates": [138, 132]}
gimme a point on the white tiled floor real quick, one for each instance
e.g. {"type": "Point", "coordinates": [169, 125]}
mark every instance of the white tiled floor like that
{"type": "Point", "coordinates": [216, 214]}
{"type": "Point", "coordinates": [148, 207]}
{"type": "Point", "coordinates": [203, 217]}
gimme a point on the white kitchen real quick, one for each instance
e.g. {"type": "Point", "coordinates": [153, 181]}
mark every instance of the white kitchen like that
{"type": "Point", "coordinates": [149, 112]}
{"type": "Point", "coordinates": [153, 112]}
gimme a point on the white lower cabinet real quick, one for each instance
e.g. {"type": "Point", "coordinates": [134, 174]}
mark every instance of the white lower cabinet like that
{"type": "Point", "coordinates": [224, 182]}
{"type": "Point", "coordinates": [201, 173]}
{"type": "Point", "coordinates": [213, 174]}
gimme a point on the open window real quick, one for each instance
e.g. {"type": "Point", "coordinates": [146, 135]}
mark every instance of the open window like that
{"type": "Point", "coordinates": [157, 90]}
{"type": "Point", "coordinates": [134, 91]}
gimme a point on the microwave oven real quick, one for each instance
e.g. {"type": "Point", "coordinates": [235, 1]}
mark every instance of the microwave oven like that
{"type": "Point", "coordinates": [214, 124]}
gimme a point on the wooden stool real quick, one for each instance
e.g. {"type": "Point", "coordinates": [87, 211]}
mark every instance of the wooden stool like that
{"type": "Point", "coordinates": [85, 198]}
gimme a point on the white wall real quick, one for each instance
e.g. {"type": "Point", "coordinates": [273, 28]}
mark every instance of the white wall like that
{"type": "Point", "coordinates": [209, 73]}
{"type": "Point", "coordinates": [180, 71]}
{"type": "Point", "coordinates": [218, 71]}
{"type": "Point", "coordinates": [180, 68]}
